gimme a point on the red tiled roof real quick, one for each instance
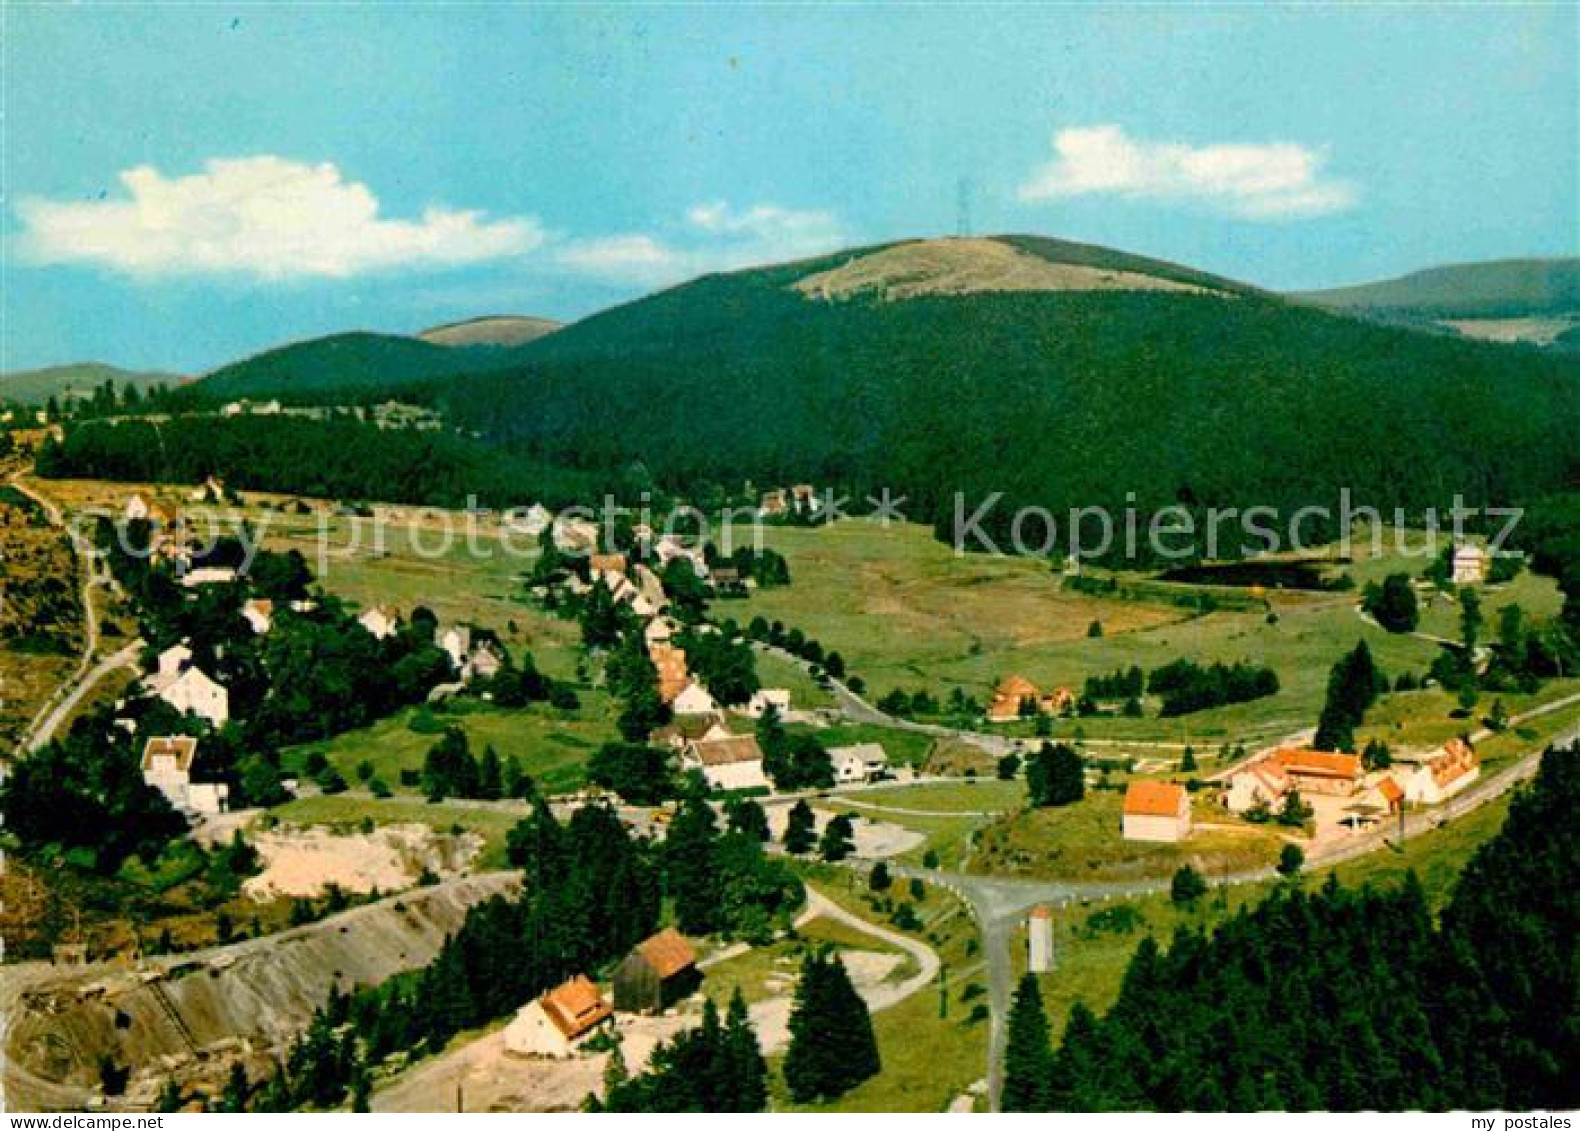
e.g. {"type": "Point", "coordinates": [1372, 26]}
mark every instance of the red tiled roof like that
{"type": "Point", "coordinates": [1319, 763]}
{"type": "Point", "coordinates": [667, 952]}
{"type": "Point", "coordinates": [575, 1006]}
{"type": "Point", "coordinates": [1154, 799]}
{"type": "Point", "coordinates": [183, 748]}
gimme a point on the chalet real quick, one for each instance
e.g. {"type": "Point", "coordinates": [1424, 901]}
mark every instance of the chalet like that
{"type": "Point", "coordinates": [190, 691]}
{"type": "Point", "coordinates": [457, 643]}
{"type": "Point", "coordinates": [1321, 771]}
{"type": "Point", "coordinates": [137, 507]}
{"type": "Point", "coordinates": [575, 535]}
{"type": "Point", "coordinates": [211, 491]}
{"type": "Point", "coordinates": [776, 697]}
{"type": "Point", "coordinates": [1447, 772]}
{"type": "Point", "coordinates": [686, 729]}
{"type": "Point", "coordinates": [560, 1022]}
{"type": "Point", "coordinates": [656, 974]}
{"type": "Point", "coordinates": [863, 762]}
{"type": "Point", "coordinates": [803, 499]}
{"type": "Point", "coordinates": [1059, 701]}
{"type": "Point", "coordinates": [727, 763]}
{"type": "Point", "coordinates": [693, 700]}
{"type": "Point", "coordinates": [381, 620]}
{"type": "Point", "coordinates": [1010, 699]}
{"type": "Point", "coordinates": [1469, 565]}
{"type": "Point", "coordinates": [1263, 782]}
{"type": "Point", "coordinates": [1157, 811]}
{"type": "Point", "coordinates": [658, 631]}
{"type": "Point", "coordinates": [259, 614]}
{"type": "Point", "coordinates": [773, 504]}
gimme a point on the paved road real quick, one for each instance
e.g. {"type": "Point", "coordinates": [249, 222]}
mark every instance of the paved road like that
{"type": "Point", "coordinates": [998, 903]}
{"type": "Point", "coordinates": [63, 704]}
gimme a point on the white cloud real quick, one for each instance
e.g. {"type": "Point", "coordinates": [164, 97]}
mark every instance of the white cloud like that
{"type": "Point", "coordinates": [1273, 181]}
{"type": "Point", "coordinates": [714, 237]}
{"type": "Point", "coordinates": [268, 217]}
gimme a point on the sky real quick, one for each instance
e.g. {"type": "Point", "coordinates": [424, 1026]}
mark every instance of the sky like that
{"type": "Point", "coordinates": [185, 184]}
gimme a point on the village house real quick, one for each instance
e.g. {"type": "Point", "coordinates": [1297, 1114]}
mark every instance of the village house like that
{"type": "Point", "coordinates": [727, 763]}
{"type": "Point", "coordinates": [208, 575]}
{"type": "Point", "coordinates": [686, 729]}
{"type": "Point", "coordinates": [804, 500]}
{"type": "Point", "coordinates": [1262, 782]}
{"type": "Point", "coordinates": [1013, 695]}
{"type": "Point", "coordinates": [776, 697]}
{"type": "Point", "coordinates": [773, 504]}
{"type": "Point", "coordinates": [137, 507]}
{"type": "Point", "coordinates": [168, 764]}
{"type": "Point", "coordinates": [381, 620]}
{"type": "Point", "coordinates": [1447, 772]}
{"type": "Point", "coordinates": [1469, 565]}
{"type": "Point", "coordinates": [607, 564]}
{"type": "Point", "coordinates": [259, 614]}
{"type": "Point", "coordinates": [190, 691]}
{"type": "Point", "coordinates": [575, 535]}
{"type": "Point", "coordinates": [1156, 811]}
{"type": "Point", "coordinates": [1321, 771]}
{"type": "Point", "coordinates": [670, 547]}
{"type": "Point", "coordinates": [650, 586]}
{"type": "Point", "coordinates": [656, 974]}
{"type": "Point", "coordinates": [211, 491]}
{"type": "Point", "coordinates": [694, 700]}
{"type": "Point", "coordinates": [476, 655]}
{"type": "Point", "coordinates": [658, 631]}
{"type": "Point", "coordinates": [173, 659]}
{"type": "Point", "coordinates": [558, 1023]}
{"type": "Point", "coordinates": [673, 675]}
{"type": "Point", "coordinates": [863, 762]}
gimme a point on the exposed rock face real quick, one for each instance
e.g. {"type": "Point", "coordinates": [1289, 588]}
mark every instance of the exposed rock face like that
{"type": "Point", "coordinates": [180, 1014]}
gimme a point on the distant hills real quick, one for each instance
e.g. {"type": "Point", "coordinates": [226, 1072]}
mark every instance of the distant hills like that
{"type": "Point", "coordinates": [35, 386]}
{"type": "Point", "coordinates": [492, 330]}
{"type": "Point", "coordinates": [345, 363]}
{"type": "Point", "coordinates": [1530, 300]}
{"type": "Point", "coordinates": [1037, 368]}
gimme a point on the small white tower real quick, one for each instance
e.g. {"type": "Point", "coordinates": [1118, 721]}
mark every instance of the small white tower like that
{"type": "Point", "coordinates": [1039, 941]}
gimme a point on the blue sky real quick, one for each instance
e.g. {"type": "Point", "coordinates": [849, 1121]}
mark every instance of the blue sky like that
{"type": "Point", "coordinates": [188, 184]}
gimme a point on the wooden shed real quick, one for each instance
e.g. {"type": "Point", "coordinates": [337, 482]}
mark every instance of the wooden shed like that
{"type": "Point", "coordinates": [657, 973]}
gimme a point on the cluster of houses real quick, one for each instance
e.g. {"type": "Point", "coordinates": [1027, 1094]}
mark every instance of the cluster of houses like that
{"type": "Point", "coordinates": [1161, 811]}
{"type": "Point", "coordinates": [658, 973]}
{"type": "Point", "coordinates": [800, 500]}
{"type": "Point", "coordinates": [1425, 778]}
{"type": "Point", "coordinates": [1016, 697]}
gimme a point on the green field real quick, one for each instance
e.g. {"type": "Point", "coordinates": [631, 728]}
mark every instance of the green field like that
{"type": "Point", "coordinates": [905, 612]}
{"type": "Point", "coordinates": [553, 746]}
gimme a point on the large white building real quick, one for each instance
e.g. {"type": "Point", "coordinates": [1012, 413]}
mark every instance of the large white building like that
{"type": "Point", "coordinates": [727, 763]}
{"type": "Point", "coordinates": [168, 762]}
{"type": "Point", "coordinates": [192, 692]}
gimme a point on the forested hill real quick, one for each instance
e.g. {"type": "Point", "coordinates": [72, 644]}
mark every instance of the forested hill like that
{"type": "Point", "coordinates": [346, 363]}
{"type": "Point", "coordinates": [1355, 1000]}
{"type": "Point", "coordinates": [1059, 374]}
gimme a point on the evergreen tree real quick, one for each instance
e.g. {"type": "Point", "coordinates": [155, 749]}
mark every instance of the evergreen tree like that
{"type": "Point", "coordinates": [1028, 1059]}
{"type": "Point", "coordinates": [837, 841]}
{"type": "Point", "coordinates": [689, 864]}
{"type": "Point", "coordinates": [832, 1047]}
{"type": "Point", "coordinates": [745, 1067]}
{"type": "Point", "coordinates": [800, 829]}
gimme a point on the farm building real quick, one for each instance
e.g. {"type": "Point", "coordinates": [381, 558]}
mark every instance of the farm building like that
{"type": "Point", "coordinates": [1321, 771]}
{"type": "Point", "coordinates": [1447, 772]}
{"type": "Point", "coordinates": [863, 762]}
{"type": "Point", "coordinates": [656, 974]}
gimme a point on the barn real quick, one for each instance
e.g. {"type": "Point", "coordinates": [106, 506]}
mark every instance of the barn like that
{"type": "Point", "coordinates": [657, 973]}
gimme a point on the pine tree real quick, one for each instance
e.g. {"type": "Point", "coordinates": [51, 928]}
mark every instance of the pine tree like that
{"type": "Point", "coordinates": [744, 1058]}
{"type": "Point", "coordinates": [1028, 1059]}
{"type": "Point", "coordinates": [837, 840]}
{"type": "Point", "coordinates": [689, 864]}
{"type": "Point", "coordinates": [832, 1047]}
{"type": "Point", "coordinates": [800, 829]}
